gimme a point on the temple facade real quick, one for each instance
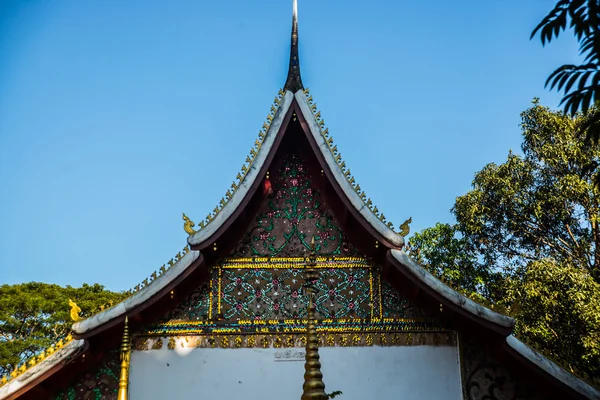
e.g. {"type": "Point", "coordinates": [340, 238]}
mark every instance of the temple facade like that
{"type": "Point", "coordinates": [294, 258]}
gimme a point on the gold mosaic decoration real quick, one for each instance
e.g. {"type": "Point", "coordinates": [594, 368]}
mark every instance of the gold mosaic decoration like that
{"type": "Point", "coordinates": [283, 340]}
{"type": "Point", "coordinates": [19, 370]}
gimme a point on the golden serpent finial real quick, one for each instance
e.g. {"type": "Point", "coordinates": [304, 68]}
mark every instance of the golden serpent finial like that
{"type": "Point", "coordinates": [75, 310]}
{"type": "Point", "coordinates": [405, 227]}
{"type": "Point", "coordinates": [188, 225]}
{"type": "Point", "coordinates": [125, 356]}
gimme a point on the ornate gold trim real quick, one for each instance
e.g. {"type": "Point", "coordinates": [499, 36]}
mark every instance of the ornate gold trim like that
{"type": "Point", "coordinates": [38, 358]}
{"type": "Point", "coordinates": [297, 340]}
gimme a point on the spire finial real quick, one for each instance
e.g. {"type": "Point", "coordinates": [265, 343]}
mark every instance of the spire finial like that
{"type": "Point", "coordinates": [294, 81]}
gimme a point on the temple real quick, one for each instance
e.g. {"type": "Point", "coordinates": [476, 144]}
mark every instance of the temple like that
{"type": "Point", "coordinates": [294, 286]}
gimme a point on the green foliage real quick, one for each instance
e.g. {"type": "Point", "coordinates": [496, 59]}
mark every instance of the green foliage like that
{"type": "Point", "coordinates": [526, 240]}
{"type": "Point", "coordinates": [558, 311]}
{"type": "Point", "coordinates": [581, 83]}
{"type": "Point", "coordinates": [447, 255]}
{"type": "Point", "coordinates": [34, 315]}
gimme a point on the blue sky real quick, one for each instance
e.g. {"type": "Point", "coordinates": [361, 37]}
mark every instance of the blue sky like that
{"type": "Point", "coordinates": [116, 116]}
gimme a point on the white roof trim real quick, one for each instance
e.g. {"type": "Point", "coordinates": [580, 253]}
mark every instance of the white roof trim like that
{"type": "Point", "coordinates": [552, 369]}
{"type": "Point", "coordinates": [244, 186]}
{"type": "Point", "coordinates": [348, 190]}
{"type": "Point", "coordinates": [121, 309]}
{"type": "Point", "coordinates": [40, 369]}
{"type": "Point", "coordinates": [450, 294]}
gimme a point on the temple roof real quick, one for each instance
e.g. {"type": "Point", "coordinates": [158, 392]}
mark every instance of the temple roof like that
{"type": "Point", "coordinates": [294, 101]}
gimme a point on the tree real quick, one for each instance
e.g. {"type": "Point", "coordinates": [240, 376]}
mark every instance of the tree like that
{"type": "Point", "coordinates": [34, 315]}
{"type": "Point", "coordinates": [583, 16]}
{"type": "Point", "coordinates": [540, 205]}
{"type": "Point", "coordinates": [527, 240]}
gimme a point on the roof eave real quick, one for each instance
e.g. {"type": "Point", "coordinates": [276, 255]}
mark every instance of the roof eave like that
{"type": "Point", "coordinates": [39, 372]}
{"type": "Point", "coordinates": [448, 296]}
{"type": "Point", "coordinates": [209, 234]}
{"type": "Point", "coordinates": [140, 300]}
{"type": "Point", "coordinates": [378, 227]}
{"type": "Point", "coordinates": [542, 363]}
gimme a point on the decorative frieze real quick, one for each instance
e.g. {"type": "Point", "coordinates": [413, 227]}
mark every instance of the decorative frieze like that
{"type": "Point", "coordinates": [297, 340]}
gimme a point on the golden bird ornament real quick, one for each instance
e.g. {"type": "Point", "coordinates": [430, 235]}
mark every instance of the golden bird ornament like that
{"type": "Point", "coordinates": [188, 225]}
{"type": "Point", "coordinates": [405, 227]}
{"type": "Point", "coordinates": [75, 310]}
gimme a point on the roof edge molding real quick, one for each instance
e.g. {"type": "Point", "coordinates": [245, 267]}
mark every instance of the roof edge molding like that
{"type": "Point", "coordinates": [552, 369]}
{"type": "Point", "coordinates": [475, 310]}
{"type": "Point", "coordinates": [337, 167]}
{"type": "Point", "coordinates": [42, 369]}
{"type": "Point", "coordinates": [121, 309]}
{"type": "Point", "coordinates": [251, 176]}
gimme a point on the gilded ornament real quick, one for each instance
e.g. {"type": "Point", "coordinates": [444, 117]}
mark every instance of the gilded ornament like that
{"type": "Point", "coordinates": [330, 340]}
{"type": "Point", "coordinates": [237, 341]}
{"type": "Point", "coordinates": [382, 339]}
{"type": "Point", "coordinates": [225, 342]}
{"type": "Point", "coordinates": [188, 225]}
{"type": "Point", "coordinates": [289, 342]}
{"type": "Point", "coordinates": [251, 342]}
{"type": "Point", "coordinates": [171, 344]}
{"type": "Point", "coordinates": [405, 228]}
{"type": "Point", "coordinates": [277, 343]}
{"type": "Point", "coordinates": [75, 310]}
{"type": "Point", "coordinates": [157, 345]}
{"type": "Point", "coordinates": [141, 344]}
{"type": "Point", "coordinates": [409, 339]}
{"type": "Point", "coordinates": [265, 342]}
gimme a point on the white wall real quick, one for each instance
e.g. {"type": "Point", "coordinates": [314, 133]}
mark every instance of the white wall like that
{"type": "Point", "coordinates": [407, 372]}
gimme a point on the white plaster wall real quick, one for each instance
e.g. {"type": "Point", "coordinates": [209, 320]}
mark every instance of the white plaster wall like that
{"type": "Point", "coordinates": [407, 373]}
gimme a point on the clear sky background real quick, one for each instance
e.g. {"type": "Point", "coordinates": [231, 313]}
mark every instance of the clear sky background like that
{"type": "Point", "coordinates": [116, 116]}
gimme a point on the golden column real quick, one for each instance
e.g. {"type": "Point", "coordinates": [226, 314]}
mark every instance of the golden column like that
{"type": "Point", "coordinates": [125, 355]}
{"type": "Point", "coordinates": [313, 388]}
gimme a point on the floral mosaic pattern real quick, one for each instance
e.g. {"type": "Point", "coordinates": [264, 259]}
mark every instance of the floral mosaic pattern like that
{"type": "Point", "coordinates": [99, 383]}
{"type": "Point", "coordinates": [394, 303]}
{"type": "Point", "coordinates": [194, 307]}
{"type": "Point", "coordinates": [263, 289]}
{"type": "Point", "coordinates": [293, 213]}
{"type": "Point", "coordinates": [279, 294]}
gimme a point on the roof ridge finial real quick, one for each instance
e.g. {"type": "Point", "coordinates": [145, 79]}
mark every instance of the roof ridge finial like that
{"type": "Point", "coordinates": [294, 81]}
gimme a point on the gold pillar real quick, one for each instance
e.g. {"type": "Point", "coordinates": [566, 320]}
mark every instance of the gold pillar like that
{"type": "Point", "coordinates": [125, 355]}
{"type": "Point", "coordinates": [313, 388]}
